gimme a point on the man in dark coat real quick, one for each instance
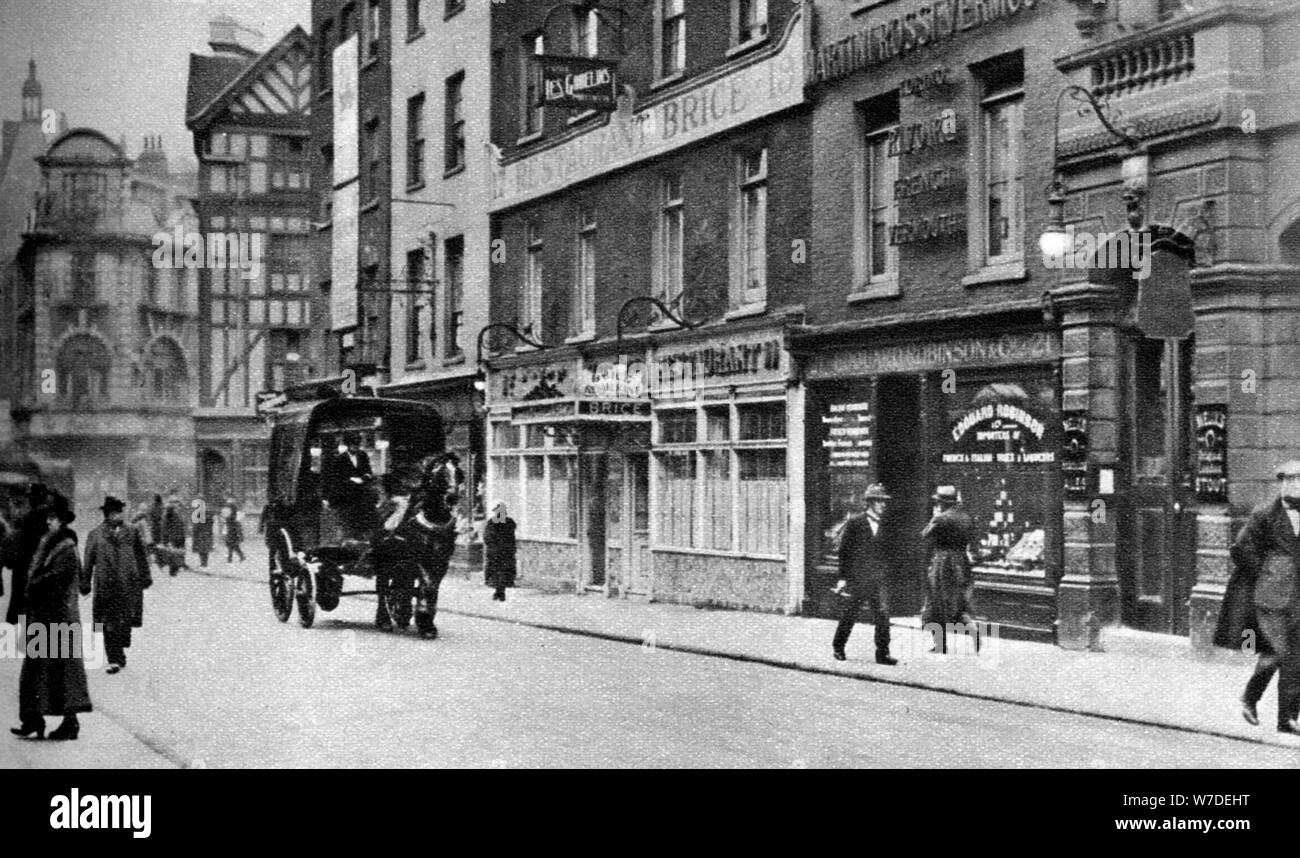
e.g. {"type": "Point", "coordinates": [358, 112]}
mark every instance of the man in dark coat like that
{"type": "Point", "coordinates": [156, 514]}
{"type": "Point", "coordinates": [173, 535]}
{"type": "Point", "coordinates": [864, 575]}
{"type": "Point", "coordinates": [53, 681]}
{"type": "Point", "coordinates": [350, 480]}
{"type": "Point", "coordinates": [118, 567]}
{"type": "Point", "coordinates": [499, 552]}
{"type": "Point", "coordinates": [32, 528]}
{"type": "Point", "coordinates": [1260, 604]}
{"type": "Point", "coordinates": [201, 535]}
{"type": "Point", "coordinates": [949, 582]}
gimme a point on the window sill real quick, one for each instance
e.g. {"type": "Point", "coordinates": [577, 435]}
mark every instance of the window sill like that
{"type": "Point", "coordinates": [415, 186]}
{"type": "Point", "coordinates": [325, 94]}
{"type": "Point", "coordinates": [669, 80]}
{"type": "Point", "coordinates": [452, 171]}
{"type": "Point", "coordinates": [370, 206]}
{"type": "Point", "coordinates": [581, 117]}
{"type": "Point", "coordinates": [883, 287]}
{"type": "Point", "coordinates": [417, 366]}
{"type": "Point", "coordinates": [576, 339]}
{"type": "Point", "coordinates": [457, 359]}
{"type": "Point", "coordinates": [553, 540]}
{"type": "Point", "coordinates": [529, 138]}
{"type": "Point", "coordinates": [1003, 273]}
{"type": "Point", "coordinates": [453, 12]}
{"type": "Point", "coordinates": [525, 349]}
{"type": "Point", "coordinates": [746, 47]}
{"type": "Point", "coordinates": [746, 311]}
{"type": "Point", "coordinates": [411, 37]}
{"type": "Point", "coordinates": [321, 227]}
{"type": "Point", "coordinates": [369, 63]}
{"type": "Point", "coordinates": [716, 552]}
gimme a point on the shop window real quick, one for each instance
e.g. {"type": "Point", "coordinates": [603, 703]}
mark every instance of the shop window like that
{"type": "Point", "coordinates": [762, 422]}
{"type": "Point", "coordinates": [716, 511]}
{"type": "Point", "coordinates": [761, 505]}
{"type": "Point", "coordinates": [564, 497]}
{"type": "Point", "coordinates": [676, 501]}
{"type": "Point", "coordinates": [537, 514]}
{"type": "Point", "coordinates": [505, 436]}
{"type": "Point", "coordinates": [535, 437]}
{"type": "Point", "coordinates": [677, 427]}
{"type": "Point", "coordinates": [717, 422]}
{"type": "Point", "coordinates": [505, 484]}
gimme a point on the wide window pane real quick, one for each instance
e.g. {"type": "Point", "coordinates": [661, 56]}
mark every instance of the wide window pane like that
{"type": "Point", "coordinates": [563, 494]}
{"type": "Point", "coordinates": [762, 422]}
{"type": "Point", "coordinates": [676, 427]}
{"type": "Point", "coordinates": [762, 514]}
{"type": "Point", "coordinates": [537, 514]}
{"type": "Point", "coordinates": [716, 518]}
{"type": "Point", "coordinates": [676, 502]}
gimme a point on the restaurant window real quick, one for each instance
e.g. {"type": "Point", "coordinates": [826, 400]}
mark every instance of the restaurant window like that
{"type": "Point", "coordinates": [668, 246]}
{"type": "Point", "coordinates": [537, 511]}
{"type": "Point", "coordinates": [415, 140]}
{"type": "Point", "coordinates": [584, 274]}
{"type": "Point", "coordinates": [416, 300]}
{"type": "Point", "coordinates": [1002, 129]}
{"type": "Point", "coordinates": [761, 501]}
{"type": "Point", "coordinates": [563, 479]}
{"type": "Point", "coordinates": [454, 311]}
{"type": "Point", "coordinates": [505, 484]}
{"type": "Point", "coordinates": [454, 134]}
{"type": "Point", "coordinates": [677, 427]}
{"type": "Point", "coordinates": [530, 304]}
{"type": "Point", "coordinates": [670, 38]}
{"type": "Point", "coordinates": [530, 108]}
{"type": "Point", "coordinates": [749, 21]}
{"type": "Point", "coordinates": [749, 267]}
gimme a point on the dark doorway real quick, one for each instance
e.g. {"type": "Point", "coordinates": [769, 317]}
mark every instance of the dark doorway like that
{"type": "Point", "coordinates": [900, 465]}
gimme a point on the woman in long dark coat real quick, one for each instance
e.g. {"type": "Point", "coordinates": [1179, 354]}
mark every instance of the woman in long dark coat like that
{"type": "Point", "coordinates": [50, 685]}
{"type": "Point", "coordinates": [499, 552]}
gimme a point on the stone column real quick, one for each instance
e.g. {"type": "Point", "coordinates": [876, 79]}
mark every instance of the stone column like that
{"type": "Point", "coordinates": [1088, 595]}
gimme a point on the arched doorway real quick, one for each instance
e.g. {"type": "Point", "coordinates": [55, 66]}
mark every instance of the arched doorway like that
{"type": "Point", "coordinates": [214, 477]}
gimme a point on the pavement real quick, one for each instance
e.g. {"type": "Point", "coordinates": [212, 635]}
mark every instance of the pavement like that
{"type": "Point", "coordinates": [1150, 689]}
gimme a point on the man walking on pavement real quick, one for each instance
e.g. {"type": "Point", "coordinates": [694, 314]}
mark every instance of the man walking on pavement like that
{"type": "Point", "coordinates": [117, 566]}
{"type": "Point", "coordinates": [1260, 603]}
{"type": "Point", "coordinates": [863, 572]}
{"type": "Point", "coordinates": [173, 534]}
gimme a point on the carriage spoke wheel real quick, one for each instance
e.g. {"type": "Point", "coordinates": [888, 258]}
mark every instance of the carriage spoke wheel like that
{"type": "Point", "coordinates": [303, 593]}
{"type": "Point", "coordinates": [281, 584]}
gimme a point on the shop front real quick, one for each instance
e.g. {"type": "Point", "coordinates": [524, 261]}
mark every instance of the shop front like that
{"type": "Point", "coordinates": [661, 473]}
{"type": "Point", "coordinates": [979, 413]}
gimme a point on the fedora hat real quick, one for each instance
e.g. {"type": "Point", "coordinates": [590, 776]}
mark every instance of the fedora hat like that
{"type": "Point", "coordinates": [876, 491]}
{"type": "Point", "coordinates": [945, 494]}
{"type": "Point", "coordinates": [112, 504]}
{"type": "Point", "coordinates": [1289, 467]}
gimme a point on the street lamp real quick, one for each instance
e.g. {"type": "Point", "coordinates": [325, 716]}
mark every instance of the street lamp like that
{"type": "Point", "coordinates": [1056, 241]}
{"type": "Point", "coordinates": [660, 306]}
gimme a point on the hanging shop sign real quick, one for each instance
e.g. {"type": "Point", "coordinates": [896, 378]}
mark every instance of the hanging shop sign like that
{"type": "Point", "coordinates": [998, 433]}
{"type": "Point", "coordinates": [583, 83]}
{"type": "Point", "coordinates": [1212, 453]}
{"type": "Point", "coordinates": [849, 428]}
{"type": "Point", "coordinates": [927, 24]}
{"type": "Point", "coordinates": [1074, 453]}
{"type": "Point", "coordinates": [721, 102]}
{"type": "Point", "coordinates": [923, 357]}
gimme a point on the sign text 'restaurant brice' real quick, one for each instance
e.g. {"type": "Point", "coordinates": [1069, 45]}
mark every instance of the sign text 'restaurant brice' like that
{"type": "Point", "coordinates": [877, 43]}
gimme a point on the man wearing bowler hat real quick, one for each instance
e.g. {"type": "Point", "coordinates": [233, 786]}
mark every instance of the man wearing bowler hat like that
{"type": "Point", "coordinates": [117, 566]}
{"type": "Point", "coordinates": [863, 575]}
{"type": "Point", "coordinates": [1260, 603]}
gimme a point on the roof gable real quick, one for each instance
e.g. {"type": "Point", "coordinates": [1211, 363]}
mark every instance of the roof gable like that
{"type": "Point", "coordinates": [277, 83]}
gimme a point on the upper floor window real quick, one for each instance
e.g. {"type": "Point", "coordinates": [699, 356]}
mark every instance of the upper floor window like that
{"type": "Point", "coordinates": [668, 264]}
{"type": "Point", "coordinates": [454, 6]}
{"type": "Point", "coordinates": [530, 108]}
{"type": "Point", "coordinates": [877, 257]}
{"type": "Point", "coordinates": [454, 134]}
{"type": "Point", "coordinates": [82, 369]}
{"type": "Point", "coordinates": [455, 295]}
{"type": "Point", "coordinates": [415, 140]}
{"type": "Point", "coordinates": [1003, 168]}
{"type": "Point", "coordinates": [584, 285]}
{"type": "Point", "coordinates": [586, 32]}
{"type": "Point", "coordinates": [347, 22]}
{"type": "Point", "coordinates": [530, 304]}
{"type": "Point", "coordinates": [325, 56]}
{"type": "Point", "coordinates": [670, 37]}
{"type": "Point", "coordinates": [84, 289]}
{"type": "Point", "coordinates": [749, 21]}
{"type": "Point", "coordinates": [749, 275]}
{"type": "Point", "coordinates": [373, 29]}
{"type": "Point", "coordinates": [414, 25]}
{"type": "Point", "coordinates": [416, 299]}
{"type": "Point", "coordinates": [374, 160]}
{"type": "Point", "coordinates": [166, 373]}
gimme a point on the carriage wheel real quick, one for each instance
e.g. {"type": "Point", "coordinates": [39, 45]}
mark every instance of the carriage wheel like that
{"type": "Point", "coordinates": [303, 593]}
{"type": "Point", "coordinates": [281, 583]}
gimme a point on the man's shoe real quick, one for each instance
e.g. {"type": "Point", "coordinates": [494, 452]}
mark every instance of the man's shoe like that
{"type": "Point", "coordinates": [1289, 727]}
{"type": "Point", "coordinates": [1248, 712]}
{"type": "Point", "coordinates": [839, 654]}
{"type": "Point", "coordinates": [886, 659]}
{"type": "Point", "coordinates": [113, 668]}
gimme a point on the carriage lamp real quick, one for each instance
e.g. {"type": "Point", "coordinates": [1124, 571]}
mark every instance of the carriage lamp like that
{"type": "Point", "coordinates": [1055, 242]}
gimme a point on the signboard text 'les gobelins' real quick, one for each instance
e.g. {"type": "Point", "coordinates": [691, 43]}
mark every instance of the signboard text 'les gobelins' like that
{"type": "Point", "coordinates": [581, 82]}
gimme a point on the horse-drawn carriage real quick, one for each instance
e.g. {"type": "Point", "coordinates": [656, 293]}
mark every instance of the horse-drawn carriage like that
{"type": "Point", "coordinates": [311, 549]}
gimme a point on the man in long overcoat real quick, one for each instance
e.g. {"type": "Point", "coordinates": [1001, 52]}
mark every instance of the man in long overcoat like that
{"type": "Point", "coordinates": [117, 566]}
{"type": "Point", "coordinates": [173, 535]}
{"type": "Point", "coordinates": [864, 572]}
{"type": "Point", "coordinates": [1260, 604]}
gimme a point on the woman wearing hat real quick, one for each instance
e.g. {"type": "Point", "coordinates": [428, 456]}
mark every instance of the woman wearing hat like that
{"type": "Point", "coordinates": [499, 552]}
{"type": "Point", "coordinates": [118, 566]}
{"type": "Point", "coordinates": [949, 583]}
{"type": "Point", "coordinates": [54, 683]}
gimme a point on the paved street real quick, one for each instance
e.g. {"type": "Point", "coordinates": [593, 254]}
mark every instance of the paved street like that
{"type": "Point", "coordinates": [214, 680]}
